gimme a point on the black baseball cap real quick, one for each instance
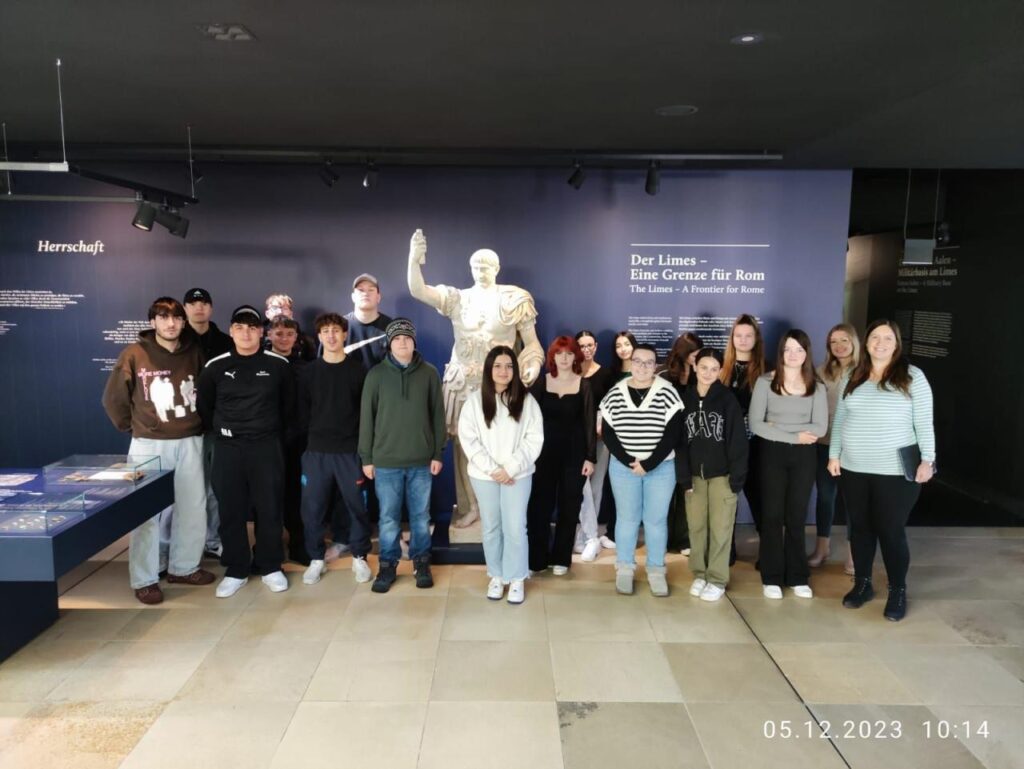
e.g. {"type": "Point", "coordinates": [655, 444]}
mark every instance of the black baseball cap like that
{"type": "Point", "coordinates": [248, 315]}
{"type": "Point", "coordinates": [197, 295]}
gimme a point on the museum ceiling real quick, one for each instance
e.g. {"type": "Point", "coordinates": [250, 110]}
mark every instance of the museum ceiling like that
{"type": "Point", "coordinates": [862, 84]}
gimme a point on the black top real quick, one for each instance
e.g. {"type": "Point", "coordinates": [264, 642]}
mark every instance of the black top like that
{"type": "Point", "coordinates": [715, 443]}
{"type": "Point", "coordinates": [570, 424]}
{"type": "Point", "coordinates": [246, 397]}
{"type": "Point", "coordinates": [214, 342]}
{"type": "Point", "coordinates": [739, 385]}
{"type": "Point", "coordinates": [601, 383]}
{"type": "Point", "coordinates": [329, 398]}
{"type": "Point", "coordinates": [373, 352]}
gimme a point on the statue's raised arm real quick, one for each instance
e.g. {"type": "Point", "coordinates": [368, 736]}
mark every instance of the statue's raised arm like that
{"type": "Point", "coordinates": [417, 286]}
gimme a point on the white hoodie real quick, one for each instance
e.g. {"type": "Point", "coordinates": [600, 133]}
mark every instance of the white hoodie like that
{"type": "Point", "coordinates": [507, 443]}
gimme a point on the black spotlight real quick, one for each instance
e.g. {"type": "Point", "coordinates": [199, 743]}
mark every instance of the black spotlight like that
{"type": "Point", "coordinates": [144, 216]}
{"type": "Point", "coordinates": [578, 176]}
{"type": "Point", "coordinates": [370, 177]}
{"type": "Point", "coordinates": [175, 224]}
{"type": "Point", "coordinates": [653, 179]}
{"type": "Point", "coordinates": [327, 175]}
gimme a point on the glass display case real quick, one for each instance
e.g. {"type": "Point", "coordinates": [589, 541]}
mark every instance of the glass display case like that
{"type": "Point", "coordinates": [100, 469]}
{"type": "Point", "coordinates": [41, 512]}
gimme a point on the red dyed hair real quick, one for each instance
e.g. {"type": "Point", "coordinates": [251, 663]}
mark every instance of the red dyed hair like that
{"type": "Point", "coordinates": [561, 344]}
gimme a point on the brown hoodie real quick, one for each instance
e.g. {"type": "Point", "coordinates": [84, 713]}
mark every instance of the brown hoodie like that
{"type": "Point", "coordinates": [152, 392]}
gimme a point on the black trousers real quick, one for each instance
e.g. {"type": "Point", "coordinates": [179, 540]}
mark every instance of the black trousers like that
{"type": "Point", "coordinates": [324, 474]}
{"type": "Point", "coordinates": [678, 528]}
{"type": "Point", "coordinates": [250, 475]}
{"type": "Point", "coordinates": [787, 476]}
{"type": "Point", "coordinates": [293, 451]}
{"type": "Point", "coordinates": [556, 482]}
{"type": "Point", "coordinates": [878, 507]}
{"type": "Point", "coordinates": [752, 488]}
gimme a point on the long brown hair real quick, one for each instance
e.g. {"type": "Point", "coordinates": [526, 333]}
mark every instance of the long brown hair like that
{"type": "Point", "coordinates": [678, 368]}
{"type": "Point", "coordinates": [616, 360]}
{"type": "Point", "coordinates": [832, 369]}
{"type": "Point", "coordinates": [514, 394]}
{"type": "Point", "coordinates": [756, 365]}
{"type": "Point", "coordinates": [806, 370]}
{"type": "Point", "coordinates": [896, 375]}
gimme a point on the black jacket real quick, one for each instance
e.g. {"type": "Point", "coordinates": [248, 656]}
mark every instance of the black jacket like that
{"type": "Point", "coordinates": [715, 441]}
{"type": "Point", "coordinates": [214, 342]}
{"type": "Point", "coordinates": [247, 397]}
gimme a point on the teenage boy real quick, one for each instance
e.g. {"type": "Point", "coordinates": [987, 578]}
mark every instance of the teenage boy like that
{"type": "Point", "coordinates": [401, 436]}
{"type": "Point", "coordinates": [367, 326]}
{"type": "Point", "coordinates": [284, 336]}
{"type": "Point", "coordinates": [282, 306]}
{"type": "Point", "coordinates": [151, 392]}
{"type": "Point", "coordinates": [247, 397]}
{"type": "Point", "coordinates": [213, 342]}
{"type": "Point", "coordinates": [330, 391]}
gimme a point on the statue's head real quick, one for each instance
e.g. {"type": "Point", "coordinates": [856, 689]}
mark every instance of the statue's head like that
{"type": "Point", "coordinates": [485, 265]}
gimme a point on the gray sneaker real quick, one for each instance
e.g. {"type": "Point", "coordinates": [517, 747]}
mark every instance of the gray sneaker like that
{"type": "Point", "coordinates": [624, 579]}
{"type": "Point", "coordinates": [656, 579]}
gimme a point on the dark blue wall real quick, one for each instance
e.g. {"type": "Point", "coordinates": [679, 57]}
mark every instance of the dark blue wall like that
{"type": "Point", "coordinates": [263, 229]}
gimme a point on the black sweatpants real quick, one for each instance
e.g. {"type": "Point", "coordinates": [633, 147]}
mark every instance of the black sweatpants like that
{"type": "Point", "coordinates": [250, 475]}
{"type": "Point", "coordinates": [556, 482]}
{"type": "Point", "coordinates": [787, 476]}
{"type": "Point", "coordinates": [878, 507]}
{"type": "Point", "coordinates": [293, 451]}
{"type": "Point", "coordinates": [322, 474]}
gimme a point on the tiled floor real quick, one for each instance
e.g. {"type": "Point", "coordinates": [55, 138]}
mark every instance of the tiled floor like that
{"type": "Point", "coordinates": [576, 677]}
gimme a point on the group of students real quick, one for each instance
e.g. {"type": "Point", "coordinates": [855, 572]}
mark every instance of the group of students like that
{"type": "Point", "coordinates": [675, 445]}
{"type": "Point", "coordinates": [679, 446]}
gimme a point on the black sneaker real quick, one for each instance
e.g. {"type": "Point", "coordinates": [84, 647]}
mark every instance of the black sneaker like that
{"type": "Point", "coordinates": [896, 606]}
{"type": "Point", "coordinates": [421, 566]}
{"type": "Point", "coordinates": [386, 576]}
{"type": "Point", "coordinates": [862, 593]}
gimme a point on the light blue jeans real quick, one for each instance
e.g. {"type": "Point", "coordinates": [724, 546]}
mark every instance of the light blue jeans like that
{"type": "Point", "coordinates": [503, 522]}
{"type": "Point", "coordinates": [184, 524]}
{"type": "Point", "coordinates": [413, 484]}
{"type": "Point", "coordinates": [642, 499]}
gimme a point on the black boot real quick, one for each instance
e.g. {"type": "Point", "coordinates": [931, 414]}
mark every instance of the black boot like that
{"type": "Point", "coordinates": [862, 593]}
{"type": "Point", "coordinates": [386, 576]}
{"type": "Point", "coordinates": [896, 606]}
{"type": "Point", "coordinates": [421, 567]}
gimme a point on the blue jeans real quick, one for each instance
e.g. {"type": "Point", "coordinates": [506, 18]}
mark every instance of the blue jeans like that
{"type": "Point", "coordinates": [413, 484]}
{"type": "Point", "coordinates": [503, 521]}
{"type": "Point", "coordinates": [642, 499]}
{"type": "Point", "coordinates": [828, 496]}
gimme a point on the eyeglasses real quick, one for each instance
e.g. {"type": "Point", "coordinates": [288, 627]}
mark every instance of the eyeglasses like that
{"type": "Point", "coordinates": [587, 346]}
{"type": "Point", "coordinates": [642, 363]}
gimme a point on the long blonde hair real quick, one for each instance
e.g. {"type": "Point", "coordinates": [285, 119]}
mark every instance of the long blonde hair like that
{"type": "Point", "coordinates": [832, 368]}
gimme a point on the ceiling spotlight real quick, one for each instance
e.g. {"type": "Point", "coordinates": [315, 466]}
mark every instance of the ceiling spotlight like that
{"type": "Point", "coordinates": [370, 177]}
{"type": "Point", "coordinates": [175, 224]}
{"type": "Point", "coordinates": [676, 110]}
{"type": "Point", "coordinates": [144, 216]}
{"type": "Point", "coordinates": [747, 38]}
{"type": "Point", "coordinates": [327, 174]}
{"type": "Point", "coordinates": [578, 176]}
{"type": "Point", "coordinates": [653, 179]}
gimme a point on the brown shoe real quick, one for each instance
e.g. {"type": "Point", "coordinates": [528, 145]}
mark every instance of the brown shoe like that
{"type": "Point", "coordinates": [198, 577]}
{"type": "Point", "coordinates": [150, 594]}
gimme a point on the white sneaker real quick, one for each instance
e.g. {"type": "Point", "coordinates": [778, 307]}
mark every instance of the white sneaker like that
{"type": "Point", "coordinates": [276, 581]}
{"type": "Point", "coordinates": [516, 591]}
{"type": "Point", "coordinates": [229, 586]}
{"type": "Point", "coordinates": [495, 589]}
{"type": "Point", "coordinates": [606, 543]}
{"type": "Point", "coordinates": [559, 571]}
{"type": "Point", "coordinates": [361, 569]}
{"type": "Point", "coordinates": [577, 547]}
{"type": "Point", "coordinates": [685, 551]}
{"type": "Point", "coordinates": [312, 575]}
{"type": "Point", "coordinates": [335, 550]}
{"type": "Point", "coordinates": [711, 592]}
{"type": "Point", "coordinates": [772, 591]}
{"type": "Point", "coordinates": [697, 586]}
{"type": "Point", "coordinates": [803, 591]}
{"type": "Point", "coordinates": [591, 550]}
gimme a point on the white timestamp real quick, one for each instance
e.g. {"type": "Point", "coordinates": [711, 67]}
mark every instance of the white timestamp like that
{"type": "Point", "coordinates": [870, 730]}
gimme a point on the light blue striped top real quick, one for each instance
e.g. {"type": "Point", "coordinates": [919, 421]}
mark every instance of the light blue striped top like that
{"type": "Point", "coordinates": [871, 425]}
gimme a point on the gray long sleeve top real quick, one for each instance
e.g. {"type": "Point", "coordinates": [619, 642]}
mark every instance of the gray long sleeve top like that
{"type": "Point", "coordinates": [780, 417]}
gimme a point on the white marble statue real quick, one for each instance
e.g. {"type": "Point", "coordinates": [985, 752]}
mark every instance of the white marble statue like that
{"type": "Point", "coordinates": [482, 316]}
